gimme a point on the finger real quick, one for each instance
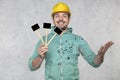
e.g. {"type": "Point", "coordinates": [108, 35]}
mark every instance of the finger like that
{"type": "Point", "coordinates": [42, 48]}
{"type": "Point", "coordinates": [43, 52]}
{"type": "Point", "coordinates": [109, 44]}
{"type": "Point", "coordinates": [42, 45]}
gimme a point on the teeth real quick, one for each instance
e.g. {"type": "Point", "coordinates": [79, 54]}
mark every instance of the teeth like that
{"type": "Point", "coordinates": [61, 23]}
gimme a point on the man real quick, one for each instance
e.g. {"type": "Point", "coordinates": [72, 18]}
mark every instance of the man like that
{"type": "Point", "coordinates": [61, 55]}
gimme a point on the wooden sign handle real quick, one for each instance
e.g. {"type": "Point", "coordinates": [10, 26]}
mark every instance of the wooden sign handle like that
{"type": "Point", "coordinates": [51, 39]}
{"type": "Point", "coordinates": [39, 36]}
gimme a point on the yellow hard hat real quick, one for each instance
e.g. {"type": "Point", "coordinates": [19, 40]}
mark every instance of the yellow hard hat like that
{"type": "Point", "coordinates": [61, 7]}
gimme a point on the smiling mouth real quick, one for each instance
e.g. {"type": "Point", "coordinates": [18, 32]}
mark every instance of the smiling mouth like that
{"type": "Point", "coordinates": [61, 22]}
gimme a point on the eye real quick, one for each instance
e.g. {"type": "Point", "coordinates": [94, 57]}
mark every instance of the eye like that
{"type": "Point", "coordinates": [65, 16]}
{"type": "Point", "coordinates": [56, 16]}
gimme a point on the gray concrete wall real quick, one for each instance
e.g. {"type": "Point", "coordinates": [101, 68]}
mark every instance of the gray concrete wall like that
{"type": "Point", "coordinates": [98, 21]}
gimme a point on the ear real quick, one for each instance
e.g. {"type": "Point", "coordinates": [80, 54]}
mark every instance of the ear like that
{"type": "Point", "coordinates": [52, 17]}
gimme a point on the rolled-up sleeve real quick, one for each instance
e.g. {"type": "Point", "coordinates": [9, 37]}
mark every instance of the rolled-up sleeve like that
{"type": "Point", "coordinates": [87, 52]}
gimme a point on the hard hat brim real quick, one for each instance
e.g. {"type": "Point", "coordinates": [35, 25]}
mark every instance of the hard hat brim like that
{"type": "Point", "coordinates": [60, 12]}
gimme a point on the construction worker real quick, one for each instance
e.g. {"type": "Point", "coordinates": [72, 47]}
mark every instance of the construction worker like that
{"type": "Point", "coordinates": [61, 56]}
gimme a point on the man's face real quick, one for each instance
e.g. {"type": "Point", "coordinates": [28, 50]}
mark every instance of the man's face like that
{"type": "Point", "coordinates": [61, 20]}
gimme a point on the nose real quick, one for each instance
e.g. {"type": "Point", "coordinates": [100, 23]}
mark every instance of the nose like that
{"type": "Point", "coordinates": [60, 18]}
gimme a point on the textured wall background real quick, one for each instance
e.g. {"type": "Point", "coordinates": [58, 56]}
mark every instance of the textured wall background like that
{"type": "Point", "coordinates": [98, 21]}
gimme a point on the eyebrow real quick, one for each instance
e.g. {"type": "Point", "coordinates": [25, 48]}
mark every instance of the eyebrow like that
{"type": "Point", "coordinates": [62, 14]}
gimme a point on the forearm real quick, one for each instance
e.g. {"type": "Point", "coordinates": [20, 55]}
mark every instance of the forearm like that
{"type": "Point", "coordinates": [37, 62]}
{"type": "Point", "coordinates": [98, 59]}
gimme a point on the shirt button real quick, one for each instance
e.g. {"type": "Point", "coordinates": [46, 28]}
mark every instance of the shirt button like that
{"type": "Point", "coordinates": [59, 63]}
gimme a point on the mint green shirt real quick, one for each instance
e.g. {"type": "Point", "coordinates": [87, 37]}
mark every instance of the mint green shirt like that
{"type": "Point", "coordinates": [61, 60]}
